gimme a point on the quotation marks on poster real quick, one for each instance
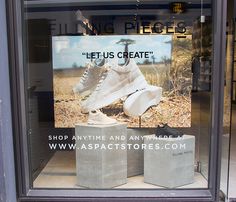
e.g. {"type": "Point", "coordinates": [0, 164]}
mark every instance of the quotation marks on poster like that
{"type": "Point", "coordinates": [110, 55]}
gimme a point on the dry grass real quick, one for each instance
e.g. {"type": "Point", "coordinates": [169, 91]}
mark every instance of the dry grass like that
{"type": "Point", "coordinates": [175, 110]}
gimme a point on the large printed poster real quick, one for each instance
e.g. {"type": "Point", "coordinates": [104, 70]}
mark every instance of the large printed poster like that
{"type": "Point", "coordinates": [162, 62]}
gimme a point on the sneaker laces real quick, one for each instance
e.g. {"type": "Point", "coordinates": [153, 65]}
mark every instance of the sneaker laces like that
{"type": "Point", "coordinates": [104, 75]}
{"type": "Point", "coordinates": [84, 77]}
{"type": "Point", "coordinates": [86, 72]}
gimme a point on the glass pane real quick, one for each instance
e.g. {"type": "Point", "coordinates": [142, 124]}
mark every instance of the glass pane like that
{"type": "Point", "coordinates": [118, 93]}
{"type": "Point", "coordinates": [227, 99]}
{"type": "Point", "coordinates": [232, 177]}
{"type": "Point", "coordinates": [232, 174]}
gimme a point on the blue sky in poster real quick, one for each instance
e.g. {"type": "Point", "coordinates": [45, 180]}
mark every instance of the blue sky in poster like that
{"type": "Point", "coordinates": [68, 50]}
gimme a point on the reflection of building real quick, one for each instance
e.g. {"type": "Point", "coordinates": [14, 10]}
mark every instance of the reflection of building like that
{"type": "Point", "coordinates": [82, 23]}
{"type": "Point", "coordinates": [202, 50]}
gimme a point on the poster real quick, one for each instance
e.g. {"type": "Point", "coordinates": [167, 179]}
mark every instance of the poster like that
{"type": "Point", "coordinates": [157, 58]}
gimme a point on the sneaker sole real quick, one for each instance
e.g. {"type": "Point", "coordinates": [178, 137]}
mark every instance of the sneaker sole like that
{"type": "Point", "coordinates": [99, 123]}
{"type": "Point", "coordinates": [138, 103]}
{"type": "Point", "coordinates": [85, 93]}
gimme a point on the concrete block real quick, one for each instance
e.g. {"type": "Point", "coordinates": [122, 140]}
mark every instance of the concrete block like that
{"type": "Point", "coordinates": [169, 162]}
{"type": "Point", "coordinates": [101, 155]}
{"type": "Point", "coordinates": [135, 156]}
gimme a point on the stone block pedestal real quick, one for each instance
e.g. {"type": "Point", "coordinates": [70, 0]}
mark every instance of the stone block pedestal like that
{"type": "Point", "coordinates": [135, 156]}
{"type": "Point", "coordinates": [169, 162]}
{"type": "Point", "coordinates": [101, 155]}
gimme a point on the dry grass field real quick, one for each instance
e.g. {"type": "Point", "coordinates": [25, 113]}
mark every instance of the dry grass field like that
{"type": "Point", "coordinates": [174, 110]}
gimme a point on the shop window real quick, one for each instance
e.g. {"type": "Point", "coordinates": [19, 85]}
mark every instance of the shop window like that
{"type": "Point", "coordinates": [119, 94]}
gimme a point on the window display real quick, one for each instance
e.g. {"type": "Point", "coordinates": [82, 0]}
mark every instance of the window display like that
{"type": "Point", "coordinates": [119, 94]}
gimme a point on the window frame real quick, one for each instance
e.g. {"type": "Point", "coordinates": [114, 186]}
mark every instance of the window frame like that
{"type": "Point", "coordinates": [18, 90]}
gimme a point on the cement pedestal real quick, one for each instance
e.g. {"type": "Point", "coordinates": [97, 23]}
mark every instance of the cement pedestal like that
{"type": "Point", "coordinates": [101, 155]}
{"type": "Point", "coordinates": [171, 164]}
{"type": "Point", "coordinates": [135, 156]}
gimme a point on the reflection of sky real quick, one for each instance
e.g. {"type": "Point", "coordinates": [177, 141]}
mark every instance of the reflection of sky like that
{"type": "Point", "coordinates": [68, 50]}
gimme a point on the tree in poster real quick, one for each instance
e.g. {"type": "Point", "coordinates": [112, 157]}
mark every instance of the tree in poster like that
{"type": "Point", "coordinates": [126, 43]}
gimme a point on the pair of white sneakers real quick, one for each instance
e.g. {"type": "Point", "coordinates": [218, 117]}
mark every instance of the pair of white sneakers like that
{"type": "Point", "coordinates": [107, 83]}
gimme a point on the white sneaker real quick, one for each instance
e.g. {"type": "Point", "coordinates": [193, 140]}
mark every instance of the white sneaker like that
{"type": "Point", "coordinates": [96, 117]}
{"type": "Point", "coordinates": [118, 82]}
{"type": "Point", "coordinates": [90, 78]}
{"type": "Point", "coordinates": [137, 103]}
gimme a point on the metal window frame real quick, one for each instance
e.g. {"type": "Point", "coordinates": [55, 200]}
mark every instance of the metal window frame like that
{"type": "Point", "coordinates": [26, 193]}
{"type": "Point", "coordinates": [7, 169]}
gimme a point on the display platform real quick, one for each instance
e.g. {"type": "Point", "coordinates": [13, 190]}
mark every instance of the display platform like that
{"type": "Point", "coordinates": [171, 161]}
{"type": "Point", "coordinates": [101, 155]}
{"type": "Point", "coordinates": [60, 172]}
{"type": "Point", "coordinates": [135, 156]}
